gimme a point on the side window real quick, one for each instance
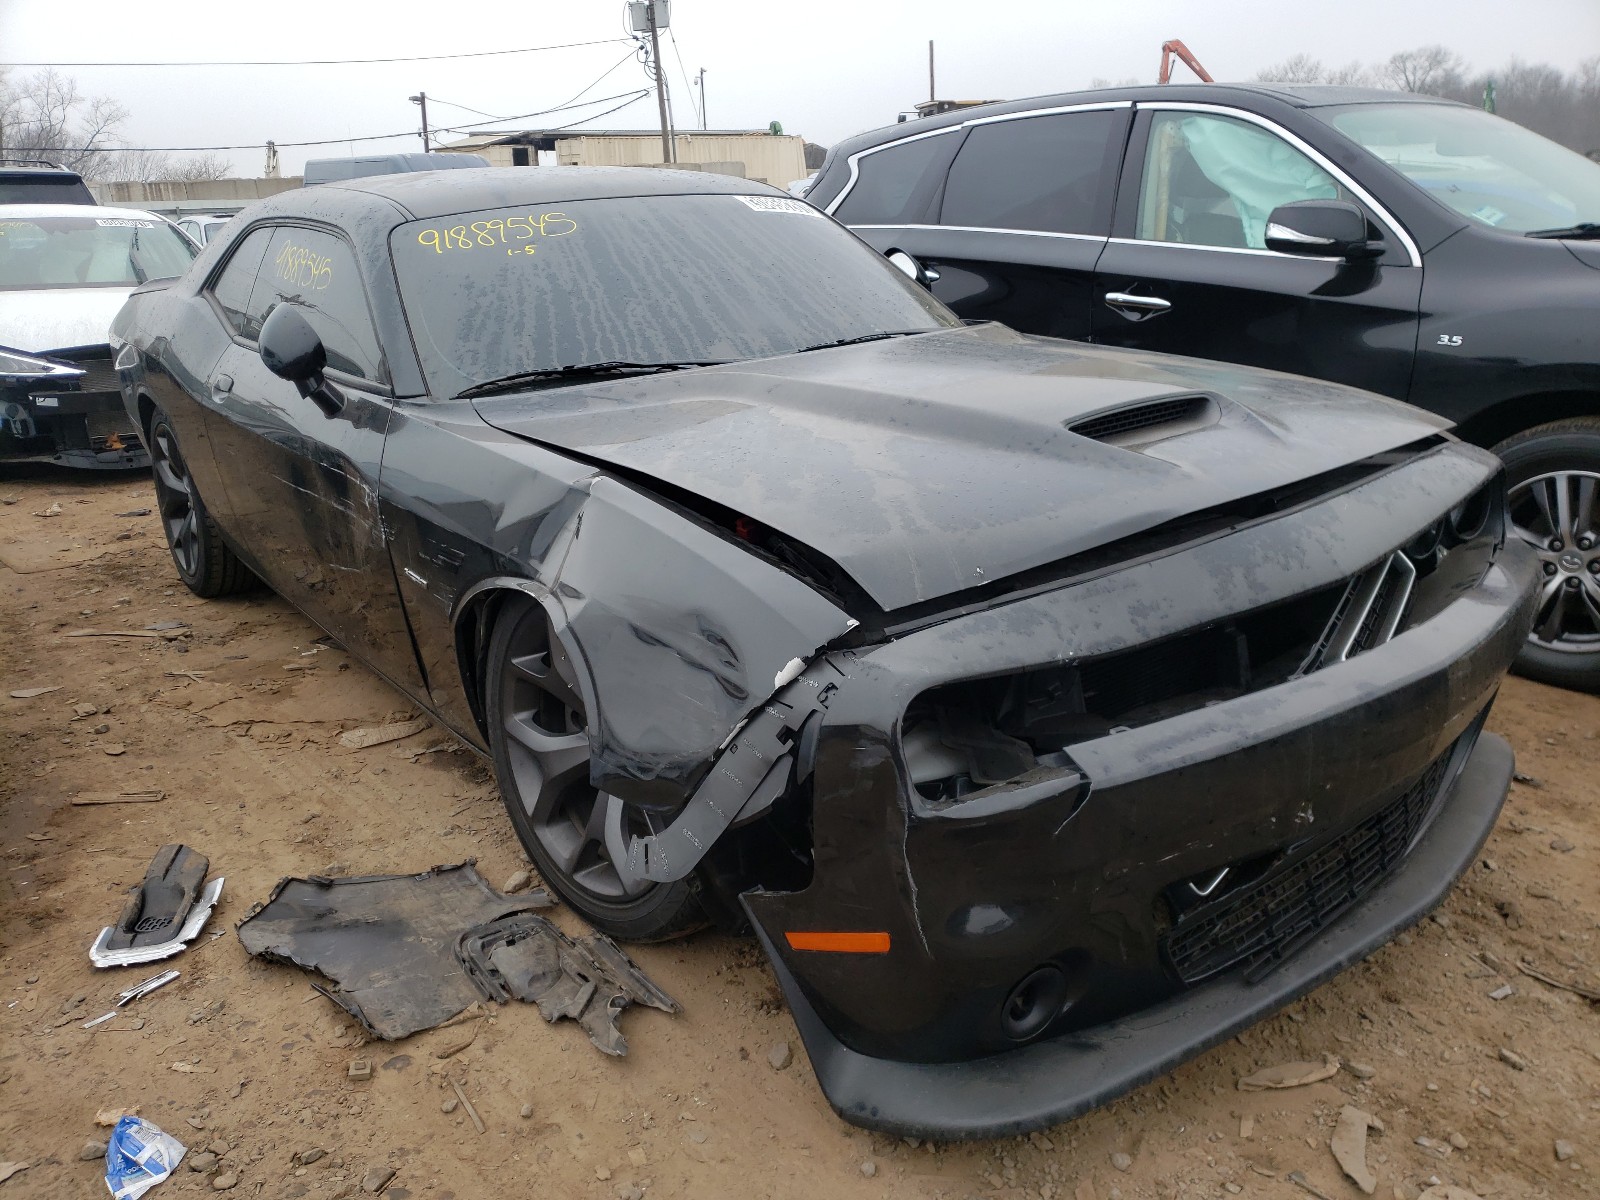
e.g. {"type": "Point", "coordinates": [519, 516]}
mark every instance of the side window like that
{"type": "Point", "coordinates": [1212, 181]}
{"type": "Point", "coordinates": [317, 272]}
{"type": "Point", "coordinates": [887, 181]}
{"type": "Point", "coordinates": [233, 286]}
{"type": "Point", "coordinates": [1051, 174]}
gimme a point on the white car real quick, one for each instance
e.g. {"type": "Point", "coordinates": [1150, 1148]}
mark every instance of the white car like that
{"type": "Point", "coordinates": [202, 227]}
{"type": "Point", "coordinates": [65, 270]}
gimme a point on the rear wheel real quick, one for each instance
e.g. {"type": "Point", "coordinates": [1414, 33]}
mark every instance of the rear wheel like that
{"type": "Point", "coordinates": [573, 831]}
{"type": "Point", "coordinates": [205, 564]}
{"type": "Point", "coordinates": [1553, 478]}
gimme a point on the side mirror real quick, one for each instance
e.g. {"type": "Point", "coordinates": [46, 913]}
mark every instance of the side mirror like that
{"type": "Point", "coordinates": [291, 350]}
{"type": "Point", "coordinates": [1321, 229]}
{"type": "Point", "coordinates": [911, 268]}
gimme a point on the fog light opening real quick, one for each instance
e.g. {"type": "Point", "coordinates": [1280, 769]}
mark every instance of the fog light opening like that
{"type": "Point", "coordinates": [1034, 1003]}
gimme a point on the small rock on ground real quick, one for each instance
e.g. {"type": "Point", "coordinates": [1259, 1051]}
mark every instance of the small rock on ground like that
{"type": "Point", "coordinates": [225, 1181]}
{"type": "Point", "coordinates": [780, 1056]}
{"type": "Point", "coordinates": [1121, 1161]}
{"type": "Point", "coordinates": [377, 1179]}
{"type": "Point", "coordinates": [869, 1168]}
{"type": "Point", "coordinates": [203, 1162]}
{"type": "Point", "coordinates": [1564, 1150]}
{"type": "Point", "coordinates": [91, 1151]}
{"type": "Point", "coordinates": [307, 1157]}
{"type": "Point", "coordinates": [527, 1111]}
{"type": "Point", "coordinates": [518, 882]}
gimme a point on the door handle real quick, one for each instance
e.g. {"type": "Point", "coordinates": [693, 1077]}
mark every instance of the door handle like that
{"type": "Point", "coordinates": [223, 383]}
{"type": "Point", "coordinates": [1143, 306]}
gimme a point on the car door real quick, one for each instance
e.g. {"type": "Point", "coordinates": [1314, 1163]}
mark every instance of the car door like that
{"type": "Point", "coordinates": [1013, 229]}
{"type": "Point", "coordinates": [303, 486]}
{"type": "Point", "coordinates": [1187, 270]}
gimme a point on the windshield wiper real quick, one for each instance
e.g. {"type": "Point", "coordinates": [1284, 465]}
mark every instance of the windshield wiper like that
{"type": "Point", "coordinates": [876, 336]}
{"type": "Point", "coordinates": [512, 383]}
{"type": "Point", "coordinates": [1584, 229]}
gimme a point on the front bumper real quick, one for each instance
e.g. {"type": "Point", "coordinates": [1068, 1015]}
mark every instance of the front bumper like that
{"type": "Point", "coordinates": [69, 424]}
{"type": "Point", "coordinates": [1074, 874]}
{"type": "Point", "coordinates": [1052, 1081]}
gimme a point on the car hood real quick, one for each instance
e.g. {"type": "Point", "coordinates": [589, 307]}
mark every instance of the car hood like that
{"type": "Point", "coordinates": [59, 318]}
{"type": "Point", "coordinates": [927, 465]}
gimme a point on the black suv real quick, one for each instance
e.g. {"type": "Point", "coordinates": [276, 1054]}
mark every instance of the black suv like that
{"type": "Point", "coordinates": [1414, 247]}
{"type": "Point", "coordinates": [35, 181]}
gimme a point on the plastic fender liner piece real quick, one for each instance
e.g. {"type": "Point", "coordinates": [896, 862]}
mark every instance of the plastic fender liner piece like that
{"type": "Point", "coordinates": [167, 910]}
{"type": "Point", "coordinates": [749, 776]}
{"type": "Point", "coordinates": [524, 957]}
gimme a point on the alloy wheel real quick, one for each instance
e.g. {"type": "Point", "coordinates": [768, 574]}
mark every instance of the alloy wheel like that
{"type": "Point", "coordinates": [1558, 514]}
{"type": "Point", "coordinates": [175, 499]}
{"type": "Point", "coordinates": [581, 829]}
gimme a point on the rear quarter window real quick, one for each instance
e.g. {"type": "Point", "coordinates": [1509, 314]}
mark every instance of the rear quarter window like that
{"type": "Point", "coordinates": [892, 184]}
{"type": "Point", "coordinates": [1049, 174]}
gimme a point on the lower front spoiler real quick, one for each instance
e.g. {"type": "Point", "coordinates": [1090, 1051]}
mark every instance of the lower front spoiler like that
{"type": "Point", "coordinates": [1052, 1081]}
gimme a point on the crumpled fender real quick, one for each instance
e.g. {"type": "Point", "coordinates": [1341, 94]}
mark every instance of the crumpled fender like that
{"type": "Point", "coordinates": [682, 632]}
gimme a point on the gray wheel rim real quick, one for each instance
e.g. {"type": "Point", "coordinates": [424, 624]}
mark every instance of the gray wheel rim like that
{"type": "Point", "coordinates": [175, 500]}
{"type": "Point", "coordinates": [1558, 514]}
{"type": "Point", "coordinates": [581, 829]}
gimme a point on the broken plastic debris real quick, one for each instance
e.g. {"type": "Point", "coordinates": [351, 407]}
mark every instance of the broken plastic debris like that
{"type": "Point", "coordinates": [1349, 1146]}
{"type": "Point", "coordinates": [377, 735]}
{"type": "Point", "coordinates": [168, 911]}
{"type": "Point", "coordinates": [1288, 1075]}
{"type": "Point", "coordinates": [139, 1156]}
{"type": "Point", "coordinates": [590, 980]}
{"type": "Point", "coordinates": [382, 944]}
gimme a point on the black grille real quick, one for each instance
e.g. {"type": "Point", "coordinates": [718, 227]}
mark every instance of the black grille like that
{"type": "Point", "coordinates": [99, 375]}
{"type": "Point", "coordinates": [1139, 417]}
{"type": "Point", "coordinates": [1265, 921]}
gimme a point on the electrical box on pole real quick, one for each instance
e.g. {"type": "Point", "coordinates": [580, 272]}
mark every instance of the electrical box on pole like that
{"type": "Point", "coordinates": [651, 17]}
{"type": "Point", "coordinates": [639, 14]}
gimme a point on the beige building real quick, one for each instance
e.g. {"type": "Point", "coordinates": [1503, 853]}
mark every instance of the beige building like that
{"type": "Point", "coordinates": [777, 159]}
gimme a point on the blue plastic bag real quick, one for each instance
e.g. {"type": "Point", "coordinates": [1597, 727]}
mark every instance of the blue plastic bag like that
{"type": "Point", "coordinates": [138, 1157]}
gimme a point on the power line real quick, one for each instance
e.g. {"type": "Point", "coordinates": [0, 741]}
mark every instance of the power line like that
{"type": "Point", "coordinates": [328, 62]}
{"type": "Point", "coordinates": [463, 107]}
{"type": "Point", "coordinates": [375, 137]}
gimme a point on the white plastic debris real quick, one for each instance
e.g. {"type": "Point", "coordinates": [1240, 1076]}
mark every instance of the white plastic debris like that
{"type": "Point", "coordinates": [139, 1156]}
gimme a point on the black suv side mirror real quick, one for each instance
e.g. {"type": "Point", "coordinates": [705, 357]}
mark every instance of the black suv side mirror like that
{"type": "Point", "coordinates": [291, 350]}
{"type": "Point", "coordinates": [1321, 229]}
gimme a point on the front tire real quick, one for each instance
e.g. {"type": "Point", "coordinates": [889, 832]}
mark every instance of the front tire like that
{"type": "Point", "coordinates": [1553, 492]}
{"type": "Point", "coordinates": [206, 565]}
{"type": "Point", "coordinates": [571, 830]}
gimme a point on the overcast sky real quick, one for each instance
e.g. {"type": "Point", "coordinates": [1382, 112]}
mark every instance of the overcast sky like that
{"type": "Point", "coordinates": [825, 69]}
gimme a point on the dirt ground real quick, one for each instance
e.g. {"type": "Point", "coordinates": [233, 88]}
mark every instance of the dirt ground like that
{"type": "Point", "coordinates": [235, 715]}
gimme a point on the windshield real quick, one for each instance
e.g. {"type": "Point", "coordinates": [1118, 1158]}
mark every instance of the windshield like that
{"type": "Point", "coordinates": [88, 251]}
{"type": "Point", "coordinates": [654, 279]}
{"type": "Point", "coordinates": [1484, 167]}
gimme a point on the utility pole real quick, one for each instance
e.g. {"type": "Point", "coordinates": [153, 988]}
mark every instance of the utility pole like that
{"type": "Point", "coordinates": [702, 82]}
{"type": "Point", "coordinates": [422, 99]}
{"type": "Point", "coordinates": [667, 154]}
{"type": "Point", "coordinates": [932, 95]}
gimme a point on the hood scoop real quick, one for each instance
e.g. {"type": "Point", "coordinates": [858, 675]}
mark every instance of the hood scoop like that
{"type": "Point", "coordinates": [1149, 420]}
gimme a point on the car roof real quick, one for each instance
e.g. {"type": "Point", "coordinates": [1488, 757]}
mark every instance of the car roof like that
{"type": "Point", "coordinates": [99, 211]}
{"type": "Point", "coordinates": [1294, 94]}
{"type": "Point", "coordinates": [424, 194]}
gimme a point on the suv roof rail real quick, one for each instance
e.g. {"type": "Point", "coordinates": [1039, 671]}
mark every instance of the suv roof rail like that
{"type": "Point", "coordinates": [30, 162]}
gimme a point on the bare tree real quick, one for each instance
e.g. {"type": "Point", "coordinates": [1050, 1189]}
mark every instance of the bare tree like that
{"type": "Point", "coordinates": [1433, 70]}
{"type": "Point", "coordinates": [1301, 68]}
{"type": "Point", "coordinates": [155, 166]}
{"type": "Point", "coordinates": [45, 116]}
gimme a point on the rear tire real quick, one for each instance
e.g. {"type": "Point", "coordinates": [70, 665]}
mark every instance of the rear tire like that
{"type": "Point", "coordinates": [570, 829]}
{"type": "Point", "coordinates": [206, 565]}
{"type": "Point", "coordinates": [1553, 489]}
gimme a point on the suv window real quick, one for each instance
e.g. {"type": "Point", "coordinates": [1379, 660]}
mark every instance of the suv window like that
{"type": "Point", "coordinates": [887, 181]}
{"type": "Point", "coordinates": [1039, 173]}
{"type": "Point", "coordinates": [317, 272]}
{"type": "Point", "coordinates": [233, 286]}
{"type": "Point", "coordinates": [1212, 181]}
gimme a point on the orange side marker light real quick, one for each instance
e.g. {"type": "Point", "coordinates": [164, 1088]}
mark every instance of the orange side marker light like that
{"type": "Point", "coordinates": [839, 943]}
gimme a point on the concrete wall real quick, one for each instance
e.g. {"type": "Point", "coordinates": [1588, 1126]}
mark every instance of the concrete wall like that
{"type": "Point", "coordinates": [207, 195]}
{"type": "Point", "coordinates": [775, 160]}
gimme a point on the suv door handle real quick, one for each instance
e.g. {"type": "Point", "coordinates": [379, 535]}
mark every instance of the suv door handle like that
{"type": "Point", "coordinates": [223, 383]}
{"type": "Point", "coordinates": [1142, 306]}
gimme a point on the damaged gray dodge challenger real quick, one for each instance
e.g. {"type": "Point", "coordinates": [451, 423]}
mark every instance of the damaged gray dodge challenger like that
{"type": "Point", "coordinates": [1050, 713]}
